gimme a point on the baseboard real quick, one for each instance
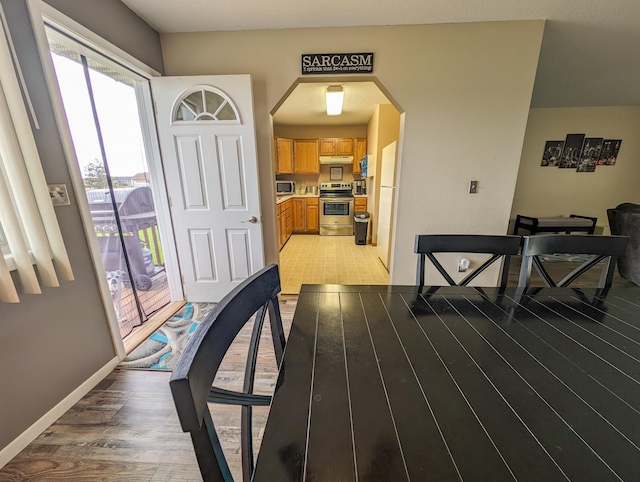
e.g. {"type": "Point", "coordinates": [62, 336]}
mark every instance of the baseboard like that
{"type": "Point", "coordinates": [30, 434]}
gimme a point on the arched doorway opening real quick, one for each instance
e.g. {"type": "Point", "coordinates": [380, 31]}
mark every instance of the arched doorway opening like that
{"type": "Point", "coordinates": [312, 150]}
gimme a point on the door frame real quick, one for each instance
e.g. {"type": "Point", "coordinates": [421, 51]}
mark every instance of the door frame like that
{"type": "Point", "coordinates": [40, 13]}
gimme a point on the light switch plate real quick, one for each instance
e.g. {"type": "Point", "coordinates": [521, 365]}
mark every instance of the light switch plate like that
{"type": "Point", "coordinates": [473, 187]}
{"type": "Point", "coordinates": [59, 194]}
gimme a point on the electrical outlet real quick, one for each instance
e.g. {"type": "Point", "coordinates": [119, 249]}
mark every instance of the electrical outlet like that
{"type": "Point", "coordinates": [473, 187]}
{"type": "Point", "coordinates": [59, 195]}
{"type": "Point", "coordinates": [463, 264]}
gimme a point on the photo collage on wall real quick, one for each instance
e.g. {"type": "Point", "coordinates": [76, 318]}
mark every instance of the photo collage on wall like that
{"type": "Point", "coordinates": [581, 153]}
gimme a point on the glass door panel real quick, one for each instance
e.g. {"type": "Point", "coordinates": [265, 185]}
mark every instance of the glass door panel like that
{"type": "Point", "coordinates": [102, 111]}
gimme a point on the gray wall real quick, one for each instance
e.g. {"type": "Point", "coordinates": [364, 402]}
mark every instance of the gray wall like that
{"type": "Point", "coordinates": [112, 20]}
{"type": "Point", "coordinates": [52, 343]}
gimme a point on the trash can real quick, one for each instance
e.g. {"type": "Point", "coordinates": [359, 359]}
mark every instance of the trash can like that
{"type": "Point", "coordinates": [362, 226]}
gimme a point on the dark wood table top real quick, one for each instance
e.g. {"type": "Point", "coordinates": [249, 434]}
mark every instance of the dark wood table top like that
{"type": "Point", "coordinates": [381, 384]}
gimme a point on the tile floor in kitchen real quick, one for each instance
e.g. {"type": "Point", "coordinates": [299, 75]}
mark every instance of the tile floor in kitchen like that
{"type": "Point", "coordinates": [313, 259]}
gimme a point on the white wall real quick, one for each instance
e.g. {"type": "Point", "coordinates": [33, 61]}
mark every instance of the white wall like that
{"type": "Point", "coordinates": [550, 191]}
{"type": "Point", "coordinates": [465, 90]}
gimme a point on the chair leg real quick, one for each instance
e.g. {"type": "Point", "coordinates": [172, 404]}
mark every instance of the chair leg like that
{"type": "Point", "coordinates": [213, 465]}
{"type": "Point", "coordinates": [606, 278]}
{"type": "Point", "coordinates": [246, 442]}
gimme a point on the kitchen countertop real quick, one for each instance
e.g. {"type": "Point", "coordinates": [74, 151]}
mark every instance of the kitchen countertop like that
{"type": "Point", "coordinates": [283, 198]}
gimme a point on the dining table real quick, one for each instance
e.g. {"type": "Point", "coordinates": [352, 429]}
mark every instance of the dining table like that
{"type": "Point", "coordinates": [394, 383]}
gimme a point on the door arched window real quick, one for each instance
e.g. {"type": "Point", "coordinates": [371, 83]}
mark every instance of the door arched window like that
{"type": "Point", "coordinates": [205, 104]}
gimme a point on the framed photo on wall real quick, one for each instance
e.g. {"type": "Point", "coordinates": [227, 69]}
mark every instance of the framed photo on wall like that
{"type": "Point", "coordinates": [610, 149]}
{"type": "Point", "coordinates": [335, 174]}
{"type": "Point", "coordinates": [572, 151]}
{"type": "Point", "coordinates": [591, 152]}
{"type": "Point", "coordinates": [552, 153]}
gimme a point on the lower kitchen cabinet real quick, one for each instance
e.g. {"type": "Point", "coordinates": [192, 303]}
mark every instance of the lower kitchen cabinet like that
{"type": "Point", "coordinates": [305, 215]}
{"type": "Point", "coordinates": [360, 204]}
{"type": "Point", "coordinates": [313, 220]}
{"type": "Point", "coordinates": [285, 221]}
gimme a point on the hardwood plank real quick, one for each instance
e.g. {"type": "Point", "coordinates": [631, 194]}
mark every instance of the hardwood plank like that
{"type": "Point", "coordinates": [155, 321]}
{"type": "Point", "coordinates": [331, 439]}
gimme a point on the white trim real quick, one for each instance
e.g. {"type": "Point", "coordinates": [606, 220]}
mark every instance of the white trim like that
{"type": "Point", "coordinates": [83, 34]}
{"type": "Point", "coordinates": [31, 433]}
{"type": "Point", "coordinates": [160, 195]}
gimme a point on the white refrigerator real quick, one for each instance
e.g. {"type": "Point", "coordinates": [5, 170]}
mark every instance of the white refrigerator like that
{"type": "Point", "coordinates": [387, 197]}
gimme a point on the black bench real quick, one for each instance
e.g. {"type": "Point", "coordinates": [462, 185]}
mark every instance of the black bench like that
{"type": "Point", "coordinates": [556, 224]}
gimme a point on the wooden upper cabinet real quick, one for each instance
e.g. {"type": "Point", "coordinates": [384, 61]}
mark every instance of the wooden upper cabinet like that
{"type": "Point", "coordinates": [333, 146]}
{"type": "Point", "coordinates": [359, 151]}
{"type": "Point", "coordinates": [327, 146]}
{"type": "Point", "coordinates": [284, 155]}
{"type": "Point", "coordinates": [344, 147]}
{"type": "Point", "coordinates": [305, 155]}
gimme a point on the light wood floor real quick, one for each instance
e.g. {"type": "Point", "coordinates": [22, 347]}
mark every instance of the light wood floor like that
{"type": "Point", "coordinates": [126, 428]}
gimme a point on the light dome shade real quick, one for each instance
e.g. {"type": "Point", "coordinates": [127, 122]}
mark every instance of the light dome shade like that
{"type": "Point", "coordinates": [334, 98]}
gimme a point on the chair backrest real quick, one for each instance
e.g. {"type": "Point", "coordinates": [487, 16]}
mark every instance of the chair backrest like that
{"type": "Point", "coordinates": [426, 245]}
{"type": "Point", "coordinates": [196, 369]}
{"type": "Point", "coordinates": [601, 248]}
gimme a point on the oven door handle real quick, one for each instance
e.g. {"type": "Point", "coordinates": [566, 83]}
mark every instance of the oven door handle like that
{"type": "Point", "coordinates": [336, 199]}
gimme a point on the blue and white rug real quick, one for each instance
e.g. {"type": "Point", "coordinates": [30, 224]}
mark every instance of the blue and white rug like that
{"type": "Point", "coordinates": [163, 348]}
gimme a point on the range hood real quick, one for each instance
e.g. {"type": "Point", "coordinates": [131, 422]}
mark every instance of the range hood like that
{"type": "Point", "coordinates": [336, 159]}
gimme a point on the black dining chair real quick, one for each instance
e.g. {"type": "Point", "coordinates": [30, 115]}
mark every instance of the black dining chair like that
{"type": "Point", "coordinates": [192, 378]}
{"type": "Point", "coordinates": [497, 246]}
{"type": "Point", "coordinates": [605, 249]}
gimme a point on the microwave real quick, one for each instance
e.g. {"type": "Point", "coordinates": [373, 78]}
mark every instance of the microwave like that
{"type": "Point", "coordinates": [285, 187]}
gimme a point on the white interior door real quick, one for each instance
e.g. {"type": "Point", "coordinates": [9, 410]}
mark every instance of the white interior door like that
{"type": "Point", "coordinates": [207, 138]}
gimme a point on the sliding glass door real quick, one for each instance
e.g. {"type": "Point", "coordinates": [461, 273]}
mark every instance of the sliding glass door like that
{"type": "Point", "coordinates": [102, 101]}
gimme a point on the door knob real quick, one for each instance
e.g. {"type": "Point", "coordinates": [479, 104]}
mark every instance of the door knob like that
{"type": "Point", "coordinates": [252, 220]}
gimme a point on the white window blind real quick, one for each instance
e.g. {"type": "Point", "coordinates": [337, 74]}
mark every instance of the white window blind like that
{"type": "Point", "coordinates": [26, 213]}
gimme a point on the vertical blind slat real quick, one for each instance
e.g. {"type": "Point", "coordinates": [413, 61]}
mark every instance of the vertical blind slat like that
{"type": "Point", "coordinates": [17, 178]}
{"type": "Point", "coordinates": [17, 245]}
{"type": "Point", "coordinates": [8, 292]}
{"type": "Point", "coordinates": [47, 235]}
{"type": "Point", "coordinates": [27, 206]}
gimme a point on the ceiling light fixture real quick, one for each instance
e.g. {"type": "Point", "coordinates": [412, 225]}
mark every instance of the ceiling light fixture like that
{"type": "Point", "coordinates": [335, 97]}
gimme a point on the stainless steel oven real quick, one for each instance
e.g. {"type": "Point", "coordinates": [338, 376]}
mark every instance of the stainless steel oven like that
{"type": "Point", "coordinates": [336, 209]}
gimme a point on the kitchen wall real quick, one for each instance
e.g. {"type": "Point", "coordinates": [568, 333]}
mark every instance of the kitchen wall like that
{"type": "Point", "coordinates": [550, 191]}
{"type": "Point", "coordinates": [50, 344]}
{"type": "Point", "coordinates": [464, 89]}
{"type": "Point", "coordinates": [383, 129]}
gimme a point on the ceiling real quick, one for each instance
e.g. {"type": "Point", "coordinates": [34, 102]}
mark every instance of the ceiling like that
{"type": "Point", "coordinates": [589, 53]}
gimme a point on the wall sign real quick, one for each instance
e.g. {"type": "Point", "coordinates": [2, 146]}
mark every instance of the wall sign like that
{"type": "Point", "coordinates": [356, 63]}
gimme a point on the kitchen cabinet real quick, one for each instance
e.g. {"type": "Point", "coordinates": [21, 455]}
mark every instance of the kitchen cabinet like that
{"type": "Point", "coordinates": [333, 146]}
{"type": "Point", "coordinates": [312, 219]}
{"type": "Point", "coordinates": [327, 146]}
{"type": "Point", "coordinates": [284, 155]}
{"type": "Point", "coordinates": [299, 215]}
{"type": "Point", "coordinates": [305, 156]}
{"type": "Point", "coordinates": [359, 151]}
{"type": "Point", "coordinates": [285, 222]}
{"type": "Point", "coordinates": [305, 215]}
{"type": "Point", "coordinates": [344, 147]}
{"type": "Point", "coordinates": [360, 204]}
